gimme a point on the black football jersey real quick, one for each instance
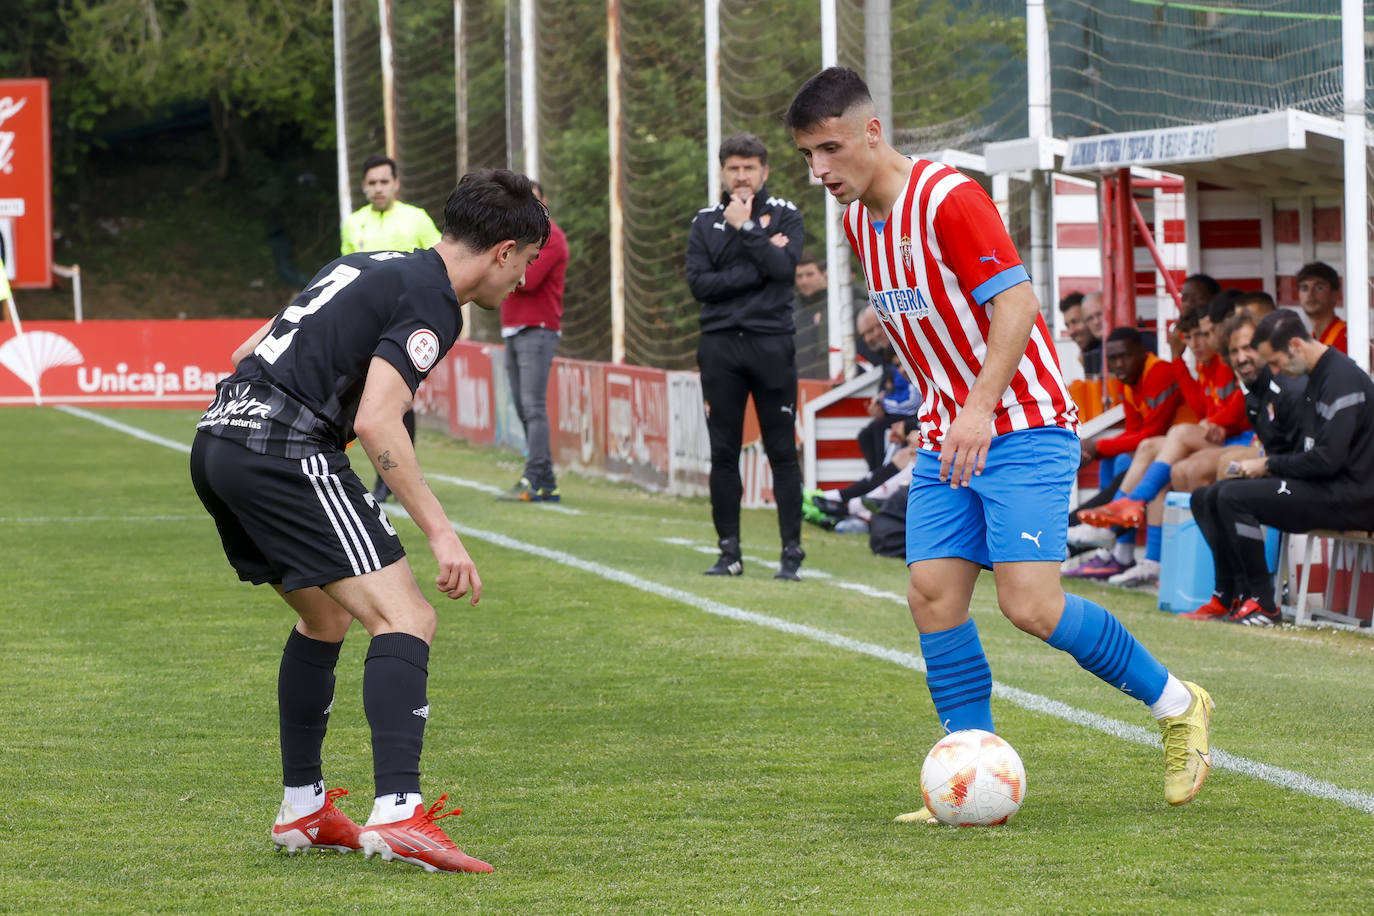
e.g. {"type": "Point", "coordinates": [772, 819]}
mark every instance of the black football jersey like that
{"type": "Point", "coordinates": [298, 393]}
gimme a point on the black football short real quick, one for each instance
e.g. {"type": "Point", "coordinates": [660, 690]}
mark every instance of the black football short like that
{"type": "Point", "coordinates": [296, 522]}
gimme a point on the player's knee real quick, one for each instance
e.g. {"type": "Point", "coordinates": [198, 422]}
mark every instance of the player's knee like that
{"type": "Point", "coordinates": [1033, 614]}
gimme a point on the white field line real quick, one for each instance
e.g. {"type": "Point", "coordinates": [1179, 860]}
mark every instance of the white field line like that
{"type": "Point", "coordinates": [1278, 776]}
{"type": "Point", "coordinates": [69, 519]}
{"type": "Point", "coordinates": [496, 491]}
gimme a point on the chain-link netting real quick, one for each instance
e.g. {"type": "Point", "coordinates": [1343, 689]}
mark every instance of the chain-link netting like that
{"type": "Point", "coordinates": [1122, 65]}
{"type": "Point", "coordinates": [958, 80]}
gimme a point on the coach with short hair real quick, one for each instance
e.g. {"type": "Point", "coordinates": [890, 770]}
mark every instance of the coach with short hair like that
{"type": "Point", "coordinates": [742, 257]}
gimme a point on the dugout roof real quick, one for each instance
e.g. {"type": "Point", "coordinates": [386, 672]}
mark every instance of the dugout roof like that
{"type": "Point", "coordinates": [1280, 153]}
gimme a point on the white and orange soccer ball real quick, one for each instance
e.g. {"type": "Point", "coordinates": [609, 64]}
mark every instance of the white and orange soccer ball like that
{"type": "Point", "coordinates": [973, 778]}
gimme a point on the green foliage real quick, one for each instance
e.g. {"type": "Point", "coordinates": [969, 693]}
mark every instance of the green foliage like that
{"type": "Point", "coordinates": [268, 61]}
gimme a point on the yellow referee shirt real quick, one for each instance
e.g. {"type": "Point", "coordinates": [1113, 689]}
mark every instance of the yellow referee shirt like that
{"type": "Point", "coordinates": [401, 227]}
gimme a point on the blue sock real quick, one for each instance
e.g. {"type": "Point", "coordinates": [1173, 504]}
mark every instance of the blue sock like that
{"type": "Point", "coordinates": [1100, 644]}
{"type": "Point", "coordinates": [1156, 478]}
{"type": "Point", "coordinates": [1154, 541]}
{"type": "Point", "coordinates": [959, 678]}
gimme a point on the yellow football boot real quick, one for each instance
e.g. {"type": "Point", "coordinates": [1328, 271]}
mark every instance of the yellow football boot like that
{"type": "Point", "coordinates": [1187, 747]}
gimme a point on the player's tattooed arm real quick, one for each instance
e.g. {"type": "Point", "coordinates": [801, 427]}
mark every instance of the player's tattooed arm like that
{"type": "Point", "coordinates": [385, 461]}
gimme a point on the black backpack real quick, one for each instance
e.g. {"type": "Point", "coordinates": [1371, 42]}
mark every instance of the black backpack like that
{"type": "Point", "coordinates": [887, 527]}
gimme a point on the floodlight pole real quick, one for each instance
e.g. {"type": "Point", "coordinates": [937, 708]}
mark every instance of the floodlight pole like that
{"type": "Point", "coordinates": [712, 36]}
{"type": "Point", "coordinates": [839, 308]}
{"type": "Point", "coordinates": [529, 88]}
{"type": "Point", "coordinates": [1040, 126]}
{"type": "Point", "coordinates": [1356, 285]}
{"type": "Point", "coordinates": [345, 188]}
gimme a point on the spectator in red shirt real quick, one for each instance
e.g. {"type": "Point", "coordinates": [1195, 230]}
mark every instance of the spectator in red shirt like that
{"type": "Point", "coordinates": [531, 325]}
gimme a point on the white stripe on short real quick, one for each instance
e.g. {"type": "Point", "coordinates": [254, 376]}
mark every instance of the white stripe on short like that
{"type": "Point", "coordinates": [353, 537]}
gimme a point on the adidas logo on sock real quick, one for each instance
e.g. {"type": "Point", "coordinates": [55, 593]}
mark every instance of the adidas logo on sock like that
{"type": "Point", "coordinates": [422, 712]}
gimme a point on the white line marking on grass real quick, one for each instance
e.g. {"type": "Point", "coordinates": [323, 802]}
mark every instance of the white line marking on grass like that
{"type": "Point", "coordinates": [497, 491]}
{"type": "Point", "coordinates": [807, 573]}
{"type": "Point", "coordinates": [1288, 779]}
{"type": "Point", "coordinates": [69, 519]}
{"type": "Point", "coordinates": [130, 430]}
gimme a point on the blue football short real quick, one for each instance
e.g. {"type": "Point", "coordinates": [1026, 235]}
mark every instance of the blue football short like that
{"type": "Point", "coordinates": [1246, 437]}
{"type": "Point", "coordinates": [1016, 510]}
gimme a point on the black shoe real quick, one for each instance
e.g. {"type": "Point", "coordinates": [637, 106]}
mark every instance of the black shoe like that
{"type": "Point", "coordinates": [730, 563]}
{"type": "Point", "coordinates": [789, 567]}
{"type": "Point", "coordinates": [381, 492]}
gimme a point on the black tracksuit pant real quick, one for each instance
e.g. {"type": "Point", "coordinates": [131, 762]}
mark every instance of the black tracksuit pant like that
{"type": "Point", "coordinates": [734, 365]}
{"type": "Point", "coordinates": [1230, 512]}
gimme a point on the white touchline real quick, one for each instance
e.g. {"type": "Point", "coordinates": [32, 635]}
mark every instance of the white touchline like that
{"type": "Point", "coordinates": [1288, 779]}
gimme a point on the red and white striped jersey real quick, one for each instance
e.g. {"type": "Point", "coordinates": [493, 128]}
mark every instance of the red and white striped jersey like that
{"type": "Point", "coordinates": [932, 267]}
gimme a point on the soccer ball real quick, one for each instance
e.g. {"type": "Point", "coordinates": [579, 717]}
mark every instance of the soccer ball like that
{"type": "Point", "coordinates": [973, 778]}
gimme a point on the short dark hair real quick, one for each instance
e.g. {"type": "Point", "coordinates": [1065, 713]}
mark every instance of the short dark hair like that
{"type": "Point", "coordinates": [809, 258]}
{"type": "Point", "coordinates": [491, 205]}
{"type": "Point", "coordinates": [1255, 297]}
{"type": "Point", "coordinates": [371, 162]}
{"type": "Point", "coordinates": [1072, 300]}
{"type": "Point", "coordinates": [1279, 327]}
{"type": "Point", "coordinates": [1321, 271]}
{"type": "Point", "coordinates": [1206, 281]}
{"type": "Point", "coordinates": [1223, 304]}
{"type": "Point", "coordinates": [1188, 323]}
{"type": "Point", "coordinates": [745, 145]}
{"type": "Point", "coordinates": [1129, 335]}
{"type": "Point", "coordinates": [828, 94]}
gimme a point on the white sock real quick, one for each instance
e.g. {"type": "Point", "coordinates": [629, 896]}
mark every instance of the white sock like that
{"type": "Point", "coordinates": [831, 494]}
{"type": "Point", "coordinates": [388, 809]}
{"type": "Point", "coordinates": [303, 800]}
{"type": "Point", "coordinates": [1124, 551]}
{"type": "Point", "coordinates": [1174, 701]}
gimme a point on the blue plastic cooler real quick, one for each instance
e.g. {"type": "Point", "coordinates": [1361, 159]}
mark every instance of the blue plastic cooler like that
{"type": "Point", "coordinates": [1186, 573]}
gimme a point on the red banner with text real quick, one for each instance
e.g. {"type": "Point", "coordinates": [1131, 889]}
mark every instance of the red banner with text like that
{"type": "Point", "coordinates": [118, 363]}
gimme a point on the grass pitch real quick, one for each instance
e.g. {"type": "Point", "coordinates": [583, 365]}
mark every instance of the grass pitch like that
{"type": "Point", "coordinates": [622, 733]}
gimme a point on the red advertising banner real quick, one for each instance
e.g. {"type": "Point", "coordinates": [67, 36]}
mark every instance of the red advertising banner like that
{"type": "Point", "coordinates": [577, 389]}
{"type": "Point", "coordinates": [25, 183]}
{"type": "Point", "coordinates": [473, 403]}
{"type": "Point", "coordinates": [637, 425]}
{"type": "Point", "coordinates": [119, 363]}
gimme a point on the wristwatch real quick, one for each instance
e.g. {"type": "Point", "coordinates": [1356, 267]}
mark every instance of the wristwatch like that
{"type": "Point", "coordinates": [747, 226]}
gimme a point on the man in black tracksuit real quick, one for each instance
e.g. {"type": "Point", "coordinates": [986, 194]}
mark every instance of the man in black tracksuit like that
{"type": "Point", "coordinates": [1328, 484]}
{"type": "Point", "coordinates": [1275, 407]}
{"type": "Point", "coordinates": [742, 257]}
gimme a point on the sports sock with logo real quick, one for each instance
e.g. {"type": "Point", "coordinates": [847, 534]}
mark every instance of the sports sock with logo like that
{"type": "Point", "coordinates": [1100, 644]}
{"type": "Point", "coordinates": [394, 680]}
{"type": "Point", "coordinates": [958, 677]}
{"type": "Point", "coordinates": [305, 694]}
{"type": "Point", "coordinates": [388, 809]}
{"type": "Point", "coordinates": [305, 800]}
{"type": "Point", "coordinates": [1156, 478]}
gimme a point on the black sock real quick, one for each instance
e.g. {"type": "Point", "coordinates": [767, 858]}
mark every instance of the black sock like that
{"type": "Point", "coordinates": [305, 694]}
{"type": "Point", "coordinates": [394, 680]}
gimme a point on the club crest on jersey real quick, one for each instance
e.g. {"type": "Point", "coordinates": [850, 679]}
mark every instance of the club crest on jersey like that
{"type": "Point", "coordinates": [889, 303]}
{"type": "Point", "coordinates": [905, 247]}
{"type": "Point", "coordinates": [765, 220]}
{"type": "Point", "coordinates": [423, 348]}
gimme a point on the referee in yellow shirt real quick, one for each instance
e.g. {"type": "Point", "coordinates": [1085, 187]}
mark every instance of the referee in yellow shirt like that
{"type": "Point", "coordinates": [387, 224]}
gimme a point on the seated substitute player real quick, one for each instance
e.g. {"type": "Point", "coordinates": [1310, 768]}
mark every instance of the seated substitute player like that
{"type": "Point", "coordinates": [1275, 406]}
{"type": "Point", "coordinates": [1217, 397]}
{"type": "Point", "coordinates": [1329, 484]}
{"type": "Point", "coordinates": [1319, 294]}
{"type": "Point", "coordinates": [992, 483]}
{"type": "Point", "coordinates": [1152, 401]}
{"type": "Point", "coordinates": [268, 462]}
